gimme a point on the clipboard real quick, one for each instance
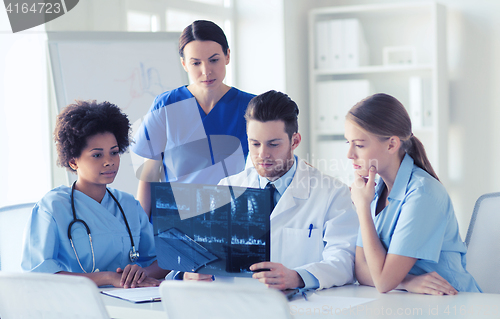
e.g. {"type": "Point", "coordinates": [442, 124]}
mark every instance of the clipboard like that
{"type": "Point", "coordinates": [135, 295]}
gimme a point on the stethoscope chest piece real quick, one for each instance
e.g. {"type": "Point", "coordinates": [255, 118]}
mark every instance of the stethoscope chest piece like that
{"type": "Point", "coordinates": [133, 255]}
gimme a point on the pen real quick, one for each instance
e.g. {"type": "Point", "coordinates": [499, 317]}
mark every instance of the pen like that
{"type": "Point", "coordinates": [310, 229]}
{"type": "Point", "coordinates": [304, 295]}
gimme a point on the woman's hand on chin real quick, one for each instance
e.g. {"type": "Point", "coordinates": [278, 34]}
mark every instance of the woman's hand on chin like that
{"type": "Point", "coordinates": [363, 190]}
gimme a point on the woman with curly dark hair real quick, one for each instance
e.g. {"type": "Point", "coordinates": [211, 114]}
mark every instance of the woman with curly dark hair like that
{"type": "Point", "coordinates": [89, 229]}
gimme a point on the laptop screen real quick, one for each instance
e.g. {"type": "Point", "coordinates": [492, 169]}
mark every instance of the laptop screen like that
{"type": "Point", "coordinates": [210, 229]}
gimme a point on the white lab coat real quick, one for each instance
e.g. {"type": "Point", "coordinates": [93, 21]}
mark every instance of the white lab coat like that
{"type": "Point", "coordinates": [320, 200]}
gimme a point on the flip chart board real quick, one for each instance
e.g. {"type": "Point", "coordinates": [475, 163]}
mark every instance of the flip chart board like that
{"type": "Point", "coordinates": [125, 68]}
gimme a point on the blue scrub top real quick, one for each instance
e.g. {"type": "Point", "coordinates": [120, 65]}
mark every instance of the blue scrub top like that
{"type": "Point", "coordinates": [420, 222]}
{"type": "Point", "coordinates": [48, 249]}
{"type": "Point", "coordinates": [195, 147]}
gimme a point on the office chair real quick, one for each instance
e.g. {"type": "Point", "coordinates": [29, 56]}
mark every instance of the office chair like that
{"type": "Point", "coordinates": [483, 243]}
{"type": "Point", "coordinates": [188, 299]}
{"type": "Point", "coordinates": [13, 220]}
{"type": "Point", "coordinates": [36, 295]}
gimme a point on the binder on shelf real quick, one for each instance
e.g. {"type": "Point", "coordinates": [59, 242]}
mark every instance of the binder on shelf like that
{"type": "Point", "coordinates": [324, 106]}
{"type": "Point", "coordinates": [335, 36]}
{"type": "Point", "coordinates": [415, 97]}
{"type": "Point", "coordinates": [420, 102]}
{"type": "Point", "coordinates": [340, 44]}
{"type": "Point", "coordinates": [323, 56]}
{"type": "Point", "coordinates": [427, 102]}
{"type": "Point", "coordinates": [355, 49]}
{"type": "Point", "coordinates": [334, 100]}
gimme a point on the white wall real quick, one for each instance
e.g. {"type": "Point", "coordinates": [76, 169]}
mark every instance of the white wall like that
{"type": "Point", "coordinates": [92, 15]}
{"type": "Point", "coordinates": [259, 45]}
{"type": "Point", "coordinates": [473, 51]}
{"type": "Point", "coordinates": [271, 52]}
{"type": "Point", "coordinates": [296, 64]}
{"type": "Point", "coordinates": [24, 143]}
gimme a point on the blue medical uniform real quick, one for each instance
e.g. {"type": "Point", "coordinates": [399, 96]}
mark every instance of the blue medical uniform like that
{"type": "Point", "coordinates": [420, 222]}
{"type": "Point", "coordinates": [48, 249]}
{"type": "Point", "coordinates": [195, 147]}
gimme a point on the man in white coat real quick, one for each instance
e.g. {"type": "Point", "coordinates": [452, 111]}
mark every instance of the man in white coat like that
{"type": "Point", "coordinates": [313, 225]}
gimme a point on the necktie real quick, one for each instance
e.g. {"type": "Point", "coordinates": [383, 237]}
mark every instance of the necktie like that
{"type": "Point", "coordinates": [272, 190]}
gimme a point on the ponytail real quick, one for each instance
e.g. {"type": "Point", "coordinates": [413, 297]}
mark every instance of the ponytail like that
{"type": "Point", "coordinates": [416, 150]}
{"type": "Point", "coordinates": [384, 116]}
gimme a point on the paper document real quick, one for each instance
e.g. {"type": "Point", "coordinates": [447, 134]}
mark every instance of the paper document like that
{"type": "Point", "coordinates": [326, 305]}
{"type": "Point", "coordinates": [137, 295]}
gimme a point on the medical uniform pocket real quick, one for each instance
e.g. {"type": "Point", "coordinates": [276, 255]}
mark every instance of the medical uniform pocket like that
{"type": "Point", "coordinates": [301, 246]}
{"type": "Point", "coordinates": [126, 247]}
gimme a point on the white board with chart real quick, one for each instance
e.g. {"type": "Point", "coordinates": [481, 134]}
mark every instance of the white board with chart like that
{"type": "Point", "coordinates": [125, 68]}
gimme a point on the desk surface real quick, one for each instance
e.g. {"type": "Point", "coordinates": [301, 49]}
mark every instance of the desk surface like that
{"type": "Point", "coordinates": [392, 304]}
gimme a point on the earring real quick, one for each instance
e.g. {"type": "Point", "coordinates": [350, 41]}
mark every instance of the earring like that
{"type": "Point", "coordinates": [72, 166]}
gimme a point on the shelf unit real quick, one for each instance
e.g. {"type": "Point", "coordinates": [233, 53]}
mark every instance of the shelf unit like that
{"type": "Point", "coordinates": [419, 26]}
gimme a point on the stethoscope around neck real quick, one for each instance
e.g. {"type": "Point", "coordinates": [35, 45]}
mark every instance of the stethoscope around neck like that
{"type": "Point", "coordinates": [133, 254]}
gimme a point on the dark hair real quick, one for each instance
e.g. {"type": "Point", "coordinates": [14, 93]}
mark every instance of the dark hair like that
{"type": "Point", "coordinates": [77, 122]}
{"type": "Point", "coordinates": [274, 106]}
{"type": "Point", "coordinates": [203, 30]}
{"type": "Point", "coordinates": [384, 116]}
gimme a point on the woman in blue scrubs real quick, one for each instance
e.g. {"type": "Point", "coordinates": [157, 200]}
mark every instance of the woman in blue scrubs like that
{"type": "Point", "coordinates": [195, 133]}
{"type": "Point", "coordinates": [88, 229]}
{"type": "Point", "coordinates": [409, 237]}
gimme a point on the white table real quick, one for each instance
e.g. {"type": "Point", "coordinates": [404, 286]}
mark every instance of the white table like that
{"type": "Point", "coordinates": [393, 304]}
{"type": "Point", "coordinates": [408, 305]}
